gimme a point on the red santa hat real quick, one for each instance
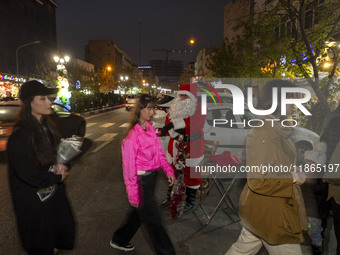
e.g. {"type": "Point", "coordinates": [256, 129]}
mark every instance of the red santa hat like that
{"type": "Point", "coordinates": [189, 90]}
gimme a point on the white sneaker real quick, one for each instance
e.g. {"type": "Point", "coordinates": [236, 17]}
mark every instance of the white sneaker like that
{"type": "Point", "coordinates": [126, 247]}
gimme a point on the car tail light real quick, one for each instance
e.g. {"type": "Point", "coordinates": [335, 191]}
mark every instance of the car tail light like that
{"type": "Point", "coordinates": [5, 131]}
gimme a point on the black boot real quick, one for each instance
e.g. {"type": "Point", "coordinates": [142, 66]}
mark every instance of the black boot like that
{"type": "Point", "coordinates": [190, 200]}
{"type": "Point", "coordinates": [317, 250]}
{"type": "Point", "coordinates": [167, 200]}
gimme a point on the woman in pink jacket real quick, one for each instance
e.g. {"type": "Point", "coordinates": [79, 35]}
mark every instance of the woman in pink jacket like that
{"type": "Point", "coordinates": [142, 158]}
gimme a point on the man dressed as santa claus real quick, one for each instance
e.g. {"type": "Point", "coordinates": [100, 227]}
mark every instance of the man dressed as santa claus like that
{"type": "Point", "coordinates": [184, 119]}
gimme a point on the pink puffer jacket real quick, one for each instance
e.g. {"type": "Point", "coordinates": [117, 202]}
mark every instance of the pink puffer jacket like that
{"type": "Point", "coordinates": [142, 151]}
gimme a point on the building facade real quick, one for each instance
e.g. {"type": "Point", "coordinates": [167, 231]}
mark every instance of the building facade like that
{"type": "Point", "coordinates": [190, 67]}
{"type": "Point", "coordinates": [202, 63]}
{"type": "Point", "coordinates": [136, 76]}
{"type": "Point", "coordinates": [28, 35]}
{"type": "Point", "coordinates": [106, 55]}
{"type": "Point", "coordinates": [238, 11]}
{"type": "Point", "coordinates": [83, 65]}
{"type": "Point", "coordinates": [167, 71]}
{"type": "Point", "coordinates": [82, 73]}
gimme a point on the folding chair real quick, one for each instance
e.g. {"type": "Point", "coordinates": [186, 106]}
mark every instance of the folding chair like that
{"type": "Point", "coordinates": [224, 192]}
{"type": "Point", "coordinates": [222, 189]}
{"type": "Point", "coordinates": [210, 148]}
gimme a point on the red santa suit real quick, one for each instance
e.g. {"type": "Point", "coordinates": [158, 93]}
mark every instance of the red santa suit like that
{"type": "Point", "coordinates": [193, 126]}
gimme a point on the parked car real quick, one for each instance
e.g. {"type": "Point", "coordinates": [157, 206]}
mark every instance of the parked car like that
{"type": "Point", "coordinates": [66, 122]}
{"type": "Point", "coordinates": [234, 138]}
{"type": "Point", "coordinates": [131, 101]}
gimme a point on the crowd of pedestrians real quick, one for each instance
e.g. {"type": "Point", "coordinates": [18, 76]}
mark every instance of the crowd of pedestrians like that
{"type": "Point", "coordinates": [275, 209]}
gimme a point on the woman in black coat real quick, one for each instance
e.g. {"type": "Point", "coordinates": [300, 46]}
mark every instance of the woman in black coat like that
{"type": "Point", "coordinates": [44, 226]}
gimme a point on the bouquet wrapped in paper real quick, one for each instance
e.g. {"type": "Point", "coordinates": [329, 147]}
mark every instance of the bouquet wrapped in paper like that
{"type": "Point", "coordinates": [68, 149]}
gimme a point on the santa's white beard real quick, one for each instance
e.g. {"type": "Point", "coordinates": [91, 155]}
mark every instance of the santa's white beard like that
{"type": "Point", "coordinates": [182, 109]}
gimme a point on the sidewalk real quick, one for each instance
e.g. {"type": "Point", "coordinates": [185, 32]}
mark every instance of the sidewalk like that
{"type": "Point", "coordinates": [191, 236]}
{"type": "Point", "coordinates": [190, 233]}
{"type": "Point", "coordinates": [104, 109]}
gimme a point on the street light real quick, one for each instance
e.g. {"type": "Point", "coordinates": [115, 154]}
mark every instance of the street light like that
{"type": "Point", "coordinates": [327, 64]}
{"type": "Point", "coordinates": [63, 60]}
{"type": "Point", "coordinates": [124, 78]}
{"type": "Point", "coordinates": [62, 82]}
{"type": "Point", "coordinates": [16, 52]}
{"type": "Point", "coordinates": [60, 63]}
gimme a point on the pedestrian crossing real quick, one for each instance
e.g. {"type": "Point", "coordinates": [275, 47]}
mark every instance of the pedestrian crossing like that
{"type": "Point", "coordinates": [101, 140]}
{"type": "Point", "coordinates": [90, 124]}
{"type": "Point", "coordinates": [107, 125]}
{"type": "Point", "coordinates": [106, 137]}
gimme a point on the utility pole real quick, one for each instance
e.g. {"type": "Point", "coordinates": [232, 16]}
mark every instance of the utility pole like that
{"type": "Point", "coordinates": [16, 52]}
{"type": "Point", "coordinates": [140, 41]}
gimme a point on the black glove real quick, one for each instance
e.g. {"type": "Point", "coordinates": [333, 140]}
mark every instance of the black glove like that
{"type": "Point", "coordinates": [180, 131]}
{"type": "Point", "coordinates": [166, 128]}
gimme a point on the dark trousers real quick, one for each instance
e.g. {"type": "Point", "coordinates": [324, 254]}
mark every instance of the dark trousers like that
{"type": "Point", "coordinates": [146, 213]}
{"type": "Point", "coordinates": [336, 217]}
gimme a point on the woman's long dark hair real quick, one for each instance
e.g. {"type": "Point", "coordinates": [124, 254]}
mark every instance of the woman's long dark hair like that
{"type": "Point", "coordinates": [42, 139]}
{"type": "Point", "coordinates": [143, 101]}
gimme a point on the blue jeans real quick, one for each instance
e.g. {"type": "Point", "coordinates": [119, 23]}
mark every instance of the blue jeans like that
{"type": "Point", "coordinates": [315, 230]}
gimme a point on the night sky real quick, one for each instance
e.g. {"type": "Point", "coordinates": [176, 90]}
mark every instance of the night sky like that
{"type": "Point", "coordinates": [168, 23]}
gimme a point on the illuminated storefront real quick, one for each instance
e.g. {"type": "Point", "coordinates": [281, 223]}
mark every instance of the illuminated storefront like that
{"type": "Point", "coordinates": [10, 83]}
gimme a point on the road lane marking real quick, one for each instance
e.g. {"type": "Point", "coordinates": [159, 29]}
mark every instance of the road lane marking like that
{"type": "Point", "coordinates": [90, 124]}
{"type": "Point", "coordinates": [108, 138]}
{"type": "Point", "coordinates": [107, 125]}
{"type": "Point", "coordinates": [99, 114]}
{"type": "Point", "coordinates": [101, 146]}
{"type": "Point", "coordinates": [125, 125]}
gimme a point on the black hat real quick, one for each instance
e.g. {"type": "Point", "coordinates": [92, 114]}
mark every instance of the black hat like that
{"type": "Point", "coordinates": [35, 88]}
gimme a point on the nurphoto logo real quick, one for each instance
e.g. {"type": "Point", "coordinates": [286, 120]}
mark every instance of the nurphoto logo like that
{"type": "Point", "coordinates": [238, 100]}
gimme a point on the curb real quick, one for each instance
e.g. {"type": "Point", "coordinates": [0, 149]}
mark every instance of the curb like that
{"type": "Point", "coordinates": [106, 109]}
